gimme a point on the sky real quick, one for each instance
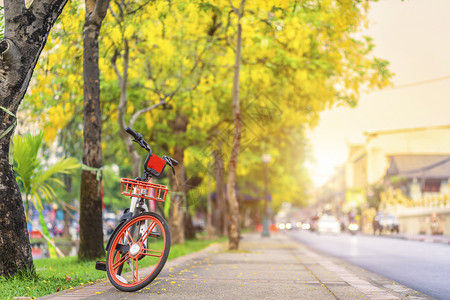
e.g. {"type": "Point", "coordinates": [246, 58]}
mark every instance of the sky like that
{"type": "Point", "coordinates": [414, 36]}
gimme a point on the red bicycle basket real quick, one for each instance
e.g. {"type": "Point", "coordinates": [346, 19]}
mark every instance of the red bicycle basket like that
{"type": "Point", "coordinates": [146, 190]}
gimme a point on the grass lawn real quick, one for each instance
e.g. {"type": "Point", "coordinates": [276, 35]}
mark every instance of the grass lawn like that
{"type": "Point", "coordinates": [58, 274]}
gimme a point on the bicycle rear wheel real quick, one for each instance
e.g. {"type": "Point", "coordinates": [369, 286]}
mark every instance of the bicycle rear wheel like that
{"type": "Point", "coordinates": [138, 252]}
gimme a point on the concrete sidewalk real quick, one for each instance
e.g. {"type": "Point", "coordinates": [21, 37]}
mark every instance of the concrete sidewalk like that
{"type": "Point", "coordinates": [264, 268]}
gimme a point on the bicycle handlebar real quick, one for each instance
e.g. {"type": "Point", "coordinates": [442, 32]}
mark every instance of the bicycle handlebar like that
{"type": "Point", "coordinates": [138, 138]}
{"type": "Point", "coordinates": [132, 132]}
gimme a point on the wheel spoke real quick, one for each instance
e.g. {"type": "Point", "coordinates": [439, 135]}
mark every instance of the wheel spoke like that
{"type": "Point", "coordinates": [121, 261]}
{"type": "Point", "coordinates": [129, 237]}
{"type": "Point", "coordinates": [147, 232]}
{"type": "Point", "coordinates": [135, 270]}
{"type": "Point", "coordinates": [154, 253]}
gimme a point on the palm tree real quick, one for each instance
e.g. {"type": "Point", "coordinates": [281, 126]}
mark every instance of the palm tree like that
{"type": "Point", "coordinates": [35, 178]}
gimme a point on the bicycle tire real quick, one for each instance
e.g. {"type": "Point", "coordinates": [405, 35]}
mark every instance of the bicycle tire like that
{"type": "Point", "coordinates": [127, 247]}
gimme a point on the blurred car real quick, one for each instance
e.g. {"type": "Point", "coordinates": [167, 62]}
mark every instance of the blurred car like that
{"type": "Point", "coordinates": [353, 228]}
{"type": "Point", "coordinates": [313, 223]}
{"type": "Point", "coordinates": [328, 224]}
{"type": "Point", "coordinates": [385, 223]}
{"type": "Point", "coordinates": [285, 226]}
{"type": "Point", "coordinates": [288, 225]}
{"type": "Point", "coordinates": [306, 226]}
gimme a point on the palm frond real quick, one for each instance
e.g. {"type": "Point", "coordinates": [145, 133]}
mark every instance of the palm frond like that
{"type": "Point", "coordinates": [45, 191]}
{"type": "Point", "coordinates": [37, 201]}
{"type": "Point", "coordinates": [26, 158]}
{"type": "Point", "coordinates": [64, 166]}
{"type": "Point", "coordinates": [30, 171]}
{"type": "Point", "coordinates": [56, 180]}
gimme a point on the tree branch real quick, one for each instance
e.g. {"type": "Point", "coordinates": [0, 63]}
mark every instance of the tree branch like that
{"type": "Point", "coordinates": [140, 112]}
{"type": "Point", "coordinates": [47, 10]}
{"type": "Point", "coordinates": [233, 8]}
{"type": "Point", "coordinates": [41, 15]}
{"type": "Point", "coordinates": [123, 85]}
{"type": "Point", "coordinates": [114, 65]}
{"type": "Point", "coordinates": [114, 14]}
{"type": "Point", "coordinates": [13, 9]}
{"type": "Point", "coordinates": [227, 41]}
{"type": "Point", "coordinates": [101, 7]}
{"type": "Point", "coordinates": [242, 9]}
{"type": "Point", "coordinates": [9, 61]}
{"type": "Point", "coordinates": [139, 8]}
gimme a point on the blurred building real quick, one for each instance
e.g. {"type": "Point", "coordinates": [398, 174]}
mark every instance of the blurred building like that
{"type": "Point", "coordinates": [419, 176]}
{"type": "Point", "coordinates": [368, 163]}
{"type": "Point", "coordinates": [403, 169]}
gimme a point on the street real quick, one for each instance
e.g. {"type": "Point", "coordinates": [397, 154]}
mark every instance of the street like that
{"type": "Point", "coordinates": [424, 267]}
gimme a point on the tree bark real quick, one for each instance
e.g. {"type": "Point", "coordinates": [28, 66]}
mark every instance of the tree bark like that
{"type": "Point", "coordinates": [176, 217]}
{"type": "Point", "coordinates": [26, 32]}
{"type": "Point", "coordinates": [220, 215]}
{"type": "Point", "coordinates": [189, 229]}
{"type": "Point", "coordinates": [209, 208]}
{"type": "Point", "coordinates": [91, 229]}
{"type": "Point", "coordinates": [233, 204]}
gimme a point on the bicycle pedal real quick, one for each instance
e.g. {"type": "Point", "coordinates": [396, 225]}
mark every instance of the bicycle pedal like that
{"type": "Point", "coordinates": [100, 265]}
{"type": "Point", "coordinates": [155, 234]}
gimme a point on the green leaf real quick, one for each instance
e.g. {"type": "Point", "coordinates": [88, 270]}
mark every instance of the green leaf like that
{"type": "Point", "coordinates": [2, 23]}
{"type": "Point", "coordinates": [30, 170]}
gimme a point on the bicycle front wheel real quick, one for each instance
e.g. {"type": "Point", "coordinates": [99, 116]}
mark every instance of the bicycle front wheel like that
{"type": "Point", "coordinates": [138, 252]}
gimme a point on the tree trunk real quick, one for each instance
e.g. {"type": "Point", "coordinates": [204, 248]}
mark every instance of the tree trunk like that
{"type": "Point", "coordinates": [176, 218]}
{"type": "Point", "coordinates": [26, 32]}
{"type": "Point", "coordinates": [189, 229]}
{"type": "Point", "coordinates": [66, 231]}
{"type": "Point", "coordinates": [122, 78]}
{"type": "Point", "coordinates": [15, 250]}
{"type": "Point", "coordinates": [190, 184]}
{"type": "Point", "coordinates": [209, 211]}
{"type": "Point", "coordinates": [233, 205]}
{"type": "Point", "coordinates": [91, 229]}
{"type": "Point", "coordinates": [221, 212]}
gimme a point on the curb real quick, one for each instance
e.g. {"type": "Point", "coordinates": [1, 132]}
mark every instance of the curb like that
{"type": "Point", "coordinates": [102, 285]}
{"type": "Point", "coordinates": [372, 285]}
{"type": "Point", "coordinates": [438, 239]}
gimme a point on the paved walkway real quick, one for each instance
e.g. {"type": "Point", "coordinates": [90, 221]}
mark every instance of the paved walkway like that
{"type": "Point", "coordinates": [263, 268]}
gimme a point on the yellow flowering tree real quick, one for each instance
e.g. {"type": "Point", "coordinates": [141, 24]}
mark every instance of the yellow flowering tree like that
{"type": "Point", "coordinates": [297, 59]}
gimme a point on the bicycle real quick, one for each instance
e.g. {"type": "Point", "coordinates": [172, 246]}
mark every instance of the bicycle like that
{"type": "Point", "coordinates": [139, 246]}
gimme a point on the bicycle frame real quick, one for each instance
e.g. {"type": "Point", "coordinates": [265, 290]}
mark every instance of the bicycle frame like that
{"type": "Point", "coordinates": [135, 202]}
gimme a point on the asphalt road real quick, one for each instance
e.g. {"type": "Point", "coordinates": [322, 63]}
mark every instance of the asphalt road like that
{"type": "Point", "coordinates": [424, 267]}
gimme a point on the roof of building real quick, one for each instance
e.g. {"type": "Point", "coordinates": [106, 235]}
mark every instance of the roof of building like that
{"type": "Point", "coordinates": [420, 166]}
{"type": "Point", "coordinates": [403, 130]}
